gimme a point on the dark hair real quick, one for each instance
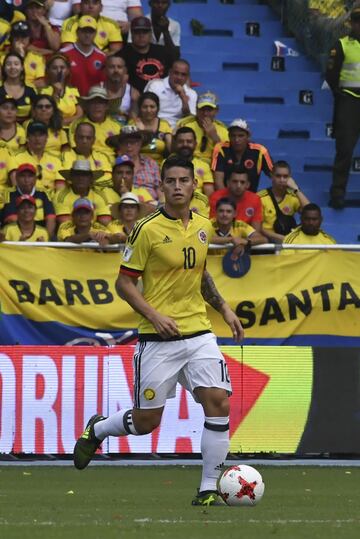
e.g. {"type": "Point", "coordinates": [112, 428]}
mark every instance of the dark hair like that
{"type": "Point", "coordinates": [225, 200]}
{"type": "Point", "coordinates": [183, 131]}
{"type": "Point", "coordinates": [281, 164]}
{"type": "Point", "coordinates": [180, 61]}
{"type": "Point", "coordinates": [84, 123]}
{"type": "Point", "coordinates": [311, 207]}
{"type": "Point", "coordinates": [175, 161]}
{"type": "Point", "coordinates": [58, 56]}
{"type": "Point", "coordinates": [237, 169]}
{"type": "Point", "coordinates": [56, 119]}
{"type": "Point", "coordinates": [148, 95]}
{"type": "Point", "coordinates": [3, 73]}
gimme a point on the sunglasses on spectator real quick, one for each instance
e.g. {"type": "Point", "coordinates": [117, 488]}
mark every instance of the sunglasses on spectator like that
{"type": "Point", "coordinates": [44, 106]}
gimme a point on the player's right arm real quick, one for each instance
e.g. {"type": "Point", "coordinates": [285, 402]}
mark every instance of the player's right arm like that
{"type": "Point", "coordinates": [127, 290]}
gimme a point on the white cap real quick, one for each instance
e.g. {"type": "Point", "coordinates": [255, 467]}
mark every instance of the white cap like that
{"type": "Point", "coordinates": [240, 124]}
{"type": "Point", "coordinates": [129, 198]}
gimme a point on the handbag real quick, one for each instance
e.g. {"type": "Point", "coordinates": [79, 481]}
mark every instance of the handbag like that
{"type": "Point", "coordinates": [283, 223]}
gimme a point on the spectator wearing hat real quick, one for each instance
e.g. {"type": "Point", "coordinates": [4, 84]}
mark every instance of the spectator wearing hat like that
{"type": "Point", "coordinates": [177, 99]}
{"type": "Point", "coordinates": [228, 229]}
{"type": "Point", "coordinates": [86, 60]}
{"type": "Point", "coordinates": [118, 89]}
{"type": "Point", "coordinates": [80, 179]}
{"type": "Point", "coordinates": [107, 36]}
{"type": "Point", "coordinates": [255, 158]}
{"type": "Point", "coordinates": [25, 185]}
{"type": "Point", "coordinates": [125, 214]}
{"type": "Point", "coordinates": [289, 200]}
{"type": "Point", "coordinates": [57, 84]}
{"type": "Point", "coordinates": [123, 182]}
{"type": "Point", "coordinates": [208, 130]}
{"type": "Point", "coordinates": [309, 231]}
{"type": "Point", "coordinates": [12, 134]}
{"type": "Point", "coordinates": [144, 60]}
{"type": "Point", "coordinates": [81, 226]}
{"type": "Point", "coordinates": [44, 37]}
{"type": "Point", "coordinates": [25, 228]}
{"type": "Point", "coordinates": [248, 204]}
{"type": "Point", "coordinates": [84, 140]}
{"type": "Point", "coordinates": [34, 63]}
{"type": "Point", "coordinates": [165, 31]}
{"type": "Point", "coordinates": [343, 77]}
{"type": "Point", "coordinates": [47, 164]}
{"type": "Point", "coordinates": [146, 170]}
{"type": "Point", "coordinates": [13, 85]}
{"type": "Point", "coordinates": [96, 112]}
{"type": "Point", "coordinates": [122, 11]}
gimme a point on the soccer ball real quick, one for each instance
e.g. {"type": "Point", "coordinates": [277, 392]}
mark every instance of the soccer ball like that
{"type": "Point", "coordinates": [241, 485]}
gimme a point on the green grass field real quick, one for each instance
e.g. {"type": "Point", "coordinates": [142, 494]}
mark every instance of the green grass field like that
{"type": "Point", "coordinates": [149, 502]}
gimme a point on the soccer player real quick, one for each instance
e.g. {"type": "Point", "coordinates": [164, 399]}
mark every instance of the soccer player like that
{"type": "Point", "coordinates": [168, 249]}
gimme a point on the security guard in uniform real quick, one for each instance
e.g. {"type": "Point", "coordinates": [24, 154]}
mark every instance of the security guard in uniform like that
{"type": "Point", "coordinates": [343, 77]}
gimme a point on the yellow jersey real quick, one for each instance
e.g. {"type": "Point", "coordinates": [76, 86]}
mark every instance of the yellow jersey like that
{"type": "Point", "coordinates": [107, 32]}
{"type": "Point", "coordinates": [103, 130]}
{"type": "Point", "coordinates": [67, 229]}
{"type": "Point", "coordinates": [170, 259]}
{"type": "Point", "coordinates": [202, 172]}
{"type": "Point", "coordinates": [298, 237]}
{"type": "Point", "coordinates": [64, 199]}
{"type": "Point", "coordinates": [55, 141]}
{"type": "Point", "coordinates": [13, 144]}
{"type": "Point", "coordinates": [47, 168]}
{"type": "Point", "coordinates": [204, 151]}
{"type": "Point", "coordinates": [200, 204]}
{"type": "Point", "coordinates": [5, 158]}
{"type": "Point", "coordinates": [238, 229]}
{"type": "Point", "coordinates": [98, 161]}
{"type": "Point", "coordinates": [67, 103]}
{"type": "Point", "coordinates": [289, 205]}
{"type": "Point", "coordinates": [13, 232]}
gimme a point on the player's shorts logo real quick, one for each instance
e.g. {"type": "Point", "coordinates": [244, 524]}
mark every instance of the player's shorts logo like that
{"type": "Point", "coordinates": [149, 394]}
{"type": "Point", "coordinates": [202, 236]}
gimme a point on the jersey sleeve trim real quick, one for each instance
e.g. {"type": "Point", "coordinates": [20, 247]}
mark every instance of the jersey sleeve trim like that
{"type": "Point", "coordinates": [130, 271]}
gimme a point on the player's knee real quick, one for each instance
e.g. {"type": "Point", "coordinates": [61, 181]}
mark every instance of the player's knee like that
{"type": "Point", "coordinates": [145, 421]}
{"type": "Point", "coordinates": [222, 404]}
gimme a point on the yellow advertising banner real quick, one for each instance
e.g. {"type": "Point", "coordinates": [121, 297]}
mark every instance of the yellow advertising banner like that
{"type": "Point", "coordinates": [282, 297]}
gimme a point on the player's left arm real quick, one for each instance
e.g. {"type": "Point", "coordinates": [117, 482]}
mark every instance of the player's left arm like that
{"type": "Point", "coordinates": [211, 295]}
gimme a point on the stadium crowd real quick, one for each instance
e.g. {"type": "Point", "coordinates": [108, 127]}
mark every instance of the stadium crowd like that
{"type": "Point", "coordinates": [94, 95]}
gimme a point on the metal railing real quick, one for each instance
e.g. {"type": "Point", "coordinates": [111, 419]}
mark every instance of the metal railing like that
{"type": "Point", "coordinates": [266, 247]}
{"type": "Point", "coordinates": [317, 24]}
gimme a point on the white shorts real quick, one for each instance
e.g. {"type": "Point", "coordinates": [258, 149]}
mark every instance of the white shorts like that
{"type": "Point", "coordinates": [159, 365]}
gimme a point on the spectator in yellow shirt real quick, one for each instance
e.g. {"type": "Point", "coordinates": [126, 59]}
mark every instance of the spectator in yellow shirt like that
{"type": "Point", "coordinates": [34, 63]}
{"type": "Point", "coordinates": [47, 164]}
{"type": "Point", "coordinates": [80, 180]}
{"type": "Point", "coordinates": [82, 228]}
{"type": "Point", "coordinates": [57, 77]}
{"type": "Point", "coordinates": [96, 107]}
{"type": "Point", "coordinates": [84, 138]}
{"type": "Point", "coordinates": [125, 214]}
{"type": "Point", "coordinates": [108, 35]}
{"type": "Point", "coordinates": [13, 85]}
{"type": "Point", "coordinates": [309, 232]}
{"type": "Point", "coordinates": [288, 196]}
{"type": "Point", "coordinates": [123, 182]}
{"type": "Point", "coordinates": [228, 229]}
{"type": "Point", "coordinates": [25, 228]}
{"type": "Point", "coordinates": [44, 109]}
{"type": "Point", "coordinates": [208, 130]}
{"type": "Point", "coordinates": [12, 134]}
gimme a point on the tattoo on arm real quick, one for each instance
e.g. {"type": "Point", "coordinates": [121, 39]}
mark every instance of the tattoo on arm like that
{"type": "Point", "coordinates": [210, 293]}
